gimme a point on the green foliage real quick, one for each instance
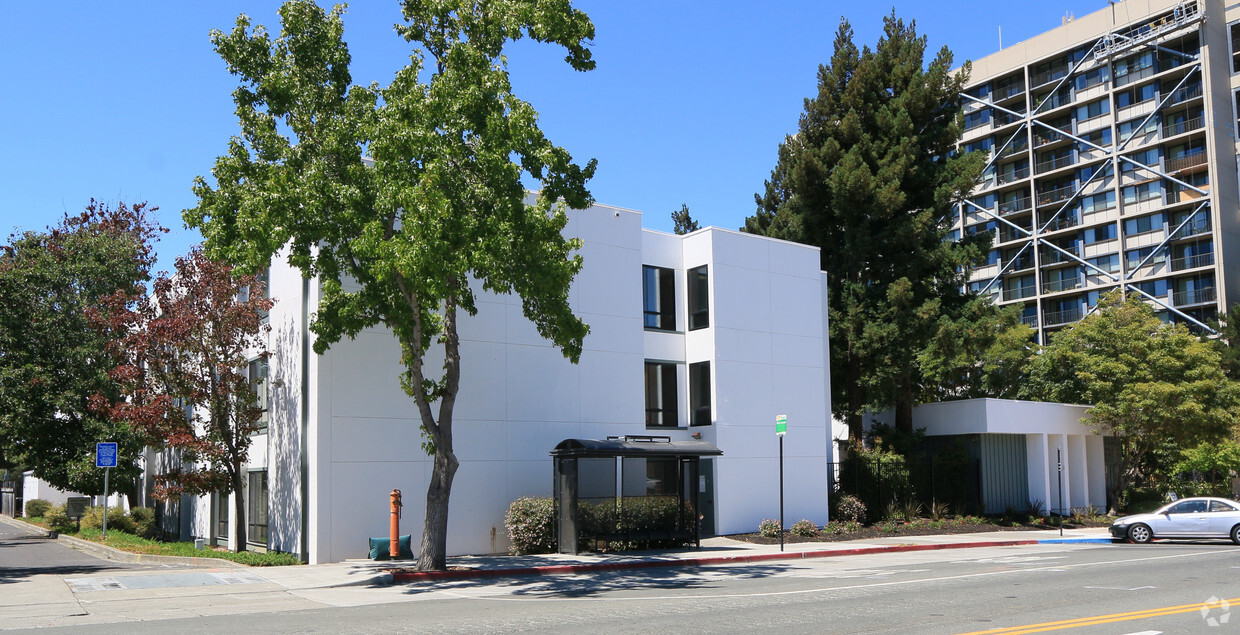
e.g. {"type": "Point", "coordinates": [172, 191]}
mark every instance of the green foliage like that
{"type": "Point", "coordinates": [982, 351]}
{"type": "Point", "coordinates": [37, 507]}
{"type": "Point", "coordinates": [57, 520]}
{"type": "Point", "coordinates": [650, 522]}
{"type": "Point", "coordinates": [804, 528]}
{"type": "Point", "coordinates": [92, 518]}
{"type": "Point", "coordinates": [136, 544]}
{"type": "Point", "coordinates": [840, 528]}
{"type": "Point", "coordinates": [769, 528]}
{"type": "Point", "coordinates": [939, 510]}
{"type": "Point", "coordinates": [871, 177]}
{"type": "Point", "coordinates": [682, 222]}
{"type": "Point", "coordinates": [412, 191]}
{"type": "Point", "coordinates": [1207, 470]}
{"type": "Point", "coordinates": [1154, 386]}
{"type": "Point", "coordinates": [531, 525]}
{"type": "Point", "coordinates": [881, 476]}
{"type": "Point", "coordinates": [143, 521]}
{"type": "Point", "coordinates": [1228, 342]}
{"type": "Point", "coordinates": [53, 353]}
{"type": "Point", "coordinates": [1035, 507]}
{"type": "Point", "coordinates": [848, 509]}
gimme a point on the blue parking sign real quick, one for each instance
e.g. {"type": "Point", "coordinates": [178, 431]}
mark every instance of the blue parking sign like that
{"type": "Point", "coordinates": [105, 454]}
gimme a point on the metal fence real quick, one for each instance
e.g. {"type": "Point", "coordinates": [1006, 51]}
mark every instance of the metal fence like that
{"type": "Point", "coordinates": [879, 484]}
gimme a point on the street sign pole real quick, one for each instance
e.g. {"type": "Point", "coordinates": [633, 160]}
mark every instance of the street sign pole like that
{"type": "Point", "coordinates": [105, 457]}
{"type": "Point", "coordinates": [781, 429]}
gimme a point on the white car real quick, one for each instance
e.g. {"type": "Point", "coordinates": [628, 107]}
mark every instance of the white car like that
{"type": "Point", "coordinates": [1200, 517]}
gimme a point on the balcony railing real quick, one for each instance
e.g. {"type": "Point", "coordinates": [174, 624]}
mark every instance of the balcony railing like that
{"type": "Point", "coordinates": [1135, 75]}
{"type": "Point", "coordinates": [1018, 293]}
{"type": "Point", "coordinates": [1184, 94]}
{"type": "Point", "coordinates": [1054, 101]}
{"type": "Point", "coordinates": [1066, 316]}
{"type": "Point", "coordinates": [1004, 93]}
{"type": "Point", "coordinates": [1029, 320]}
{"type": "Point", "coordinates": [1057, 195]}
{"type": "Point", "coordinates": [1198, 225]}
{"type": "Point", "coordinates": [1015, 147]}
{"type": "Point", "coordinates": [1064, 284]}
{"type": "Point", "coordinates": [1011, 176]}
{"type": "Point", "coordinates": [1194, 296]}
{"type": "Point", "coordinates": [1187, 125]}
{"type": "Point", "coordinates": [1055, 163]}
{"type": "Point", "coordinates": [1047, 77]}
{"type": "Point", "coordinates": [1054, 256]}
{"type": "Point", "coordinates": [1063, 221]}
{"type": "Point", "coordinates": [1044, 136]}
{"type": "Point", "coordinates": [1186, 161]}
{"type": "Point", "coordinates": [1003, 118]}
{"type": "Point", "coordinates": [1016, 205]}
{"type": "Point", "coordinates": [1018, 264]}
{"type": "Point", "coordinates": [1008, 234]}
{"type": "Point", "coordinates": [1192, 262]}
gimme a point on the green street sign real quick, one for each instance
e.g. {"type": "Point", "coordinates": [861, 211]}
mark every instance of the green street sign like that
{"type": "Point", "coordinates": [781, 425]}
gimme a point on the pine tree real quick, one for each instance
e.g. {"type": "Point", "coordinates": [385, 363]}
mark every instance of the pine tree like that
{"type": "Point", "coordinates": [871, 177]}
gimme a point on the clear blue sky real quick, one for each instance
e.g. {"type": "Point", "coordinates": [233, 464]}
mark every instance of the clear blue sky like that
{"type": "Point", "coordinates": [126, 100]}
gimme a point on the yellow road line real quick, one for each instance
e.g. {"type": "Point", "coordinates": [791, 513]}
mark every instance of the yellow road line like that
{"type": "Point", "coordinates": [1102, 619]}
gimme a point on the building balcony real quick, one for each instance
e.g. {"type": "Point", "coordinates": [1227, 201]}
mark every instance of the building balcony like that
{"type": "Point", "coordinates": [1063, 284]}
{"type": "Point", "coordinates": [1194, 296]}
{"type": "Point", "coordinates": [1016, 147]}
{"type": "Point", "coordinates": [1019, 293]}
{"type": "Point", "coordinates": [1008, 234]}
{"type": "Point", "coordinates": [1184, 94]}
{"type": "Point", "coordinates": [1062, 221]}
{"type": "Point", "coordinates": [1192, 262]}
{"type": "Point", "coordinates": [1057, 195]}
{"type": "Point", "coordinates": [1188, 125]}
{"type": "Point", "coordinates": [1055, 163]}
{"type": "Point", "coordinates": [1029, 320]}
{"type": "Point", "coordinates": [1049, 76]}
{"type": "Point", "coordinates": [1016, 205]}
{"type": "Point", "coordinates": [1044, 136]}
{"type": "Point", "coordinates": [1186, 161]}
{"type": "Point", "coordinates": [1018, 264]}
{"type": "Point", "coordinates": [1012, 176]}
{"type": "Point", "coordinates": [1066, 316]}
{"type": "Point", "coordinates": [1056, 257]}
{"type": "Point", "coordinates": [1006, 93]}
{"type": "Point", "coordinates": [1198, 226]}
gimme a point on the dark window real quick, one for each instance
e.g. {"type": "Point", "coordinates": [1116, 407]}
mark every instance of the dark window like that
{"type": "Point", "coordinates": [661, 401]}
{"type": "Point", "coordinates": [699, 299]}
{"type": "Point", "coordinates": [221, 517]}
{"type": "Point", "coordinates": [699, 394]}
{"type": "Point", "coordinates": [257, 372]}
{"type": "Point", "coordinates": [1235, 48]}
{"type": "Point", "coordinates": [257, 516]}
{"type": "Point", "coordinates": [659, 298]}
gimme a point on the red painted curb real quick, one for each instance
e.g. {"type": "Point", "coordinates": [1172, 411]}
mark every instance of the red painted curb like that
{"type": "Point", "coordinates": [425, 576]}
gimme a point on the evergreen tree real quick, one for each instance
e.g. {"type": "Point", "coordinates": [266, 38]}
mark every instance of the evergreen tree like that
{"type": "Point", "coordinates": [871, 178]}
{"type": "Point", "coordinates": [683, 222]}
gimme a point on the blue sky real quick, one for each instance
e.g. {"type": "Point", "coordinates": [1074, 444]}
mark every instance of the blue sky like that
{"type": "Point", "coordinates": [127, 101]}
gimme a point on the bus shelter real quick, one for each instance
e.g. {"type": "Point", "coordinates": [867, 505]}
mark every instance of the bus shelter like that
{"type": "Point", "coordinates": [631, 492]}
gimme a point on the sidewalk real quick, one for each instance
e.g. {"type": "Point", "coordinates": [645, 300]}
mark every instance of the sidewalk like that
{"type": "Point", "coordinates": [714, 551]}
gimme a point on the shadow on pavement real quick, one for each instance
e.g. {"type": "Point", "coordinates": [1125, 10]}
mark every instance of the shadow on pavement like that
{"type": "Point", "coordinates": [597, 583]}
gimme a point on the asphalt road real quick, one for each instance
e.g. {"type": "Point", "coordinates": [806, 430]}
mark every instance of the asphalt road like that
{"type": "Point", "coordinates": [23, 555]}
{"type": "Point", "coordinates": [1040, 588]}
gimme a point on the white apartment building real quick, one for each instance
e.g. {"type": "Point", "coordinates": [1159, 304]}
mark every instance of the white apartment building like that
{"type": "Point", "coordinates": [708, 335]}
{"type": "Point", "coordinates": [1112, 163]}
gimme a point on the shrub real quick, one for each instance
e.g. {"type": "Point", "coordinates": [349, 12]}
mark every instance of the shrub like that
{"type": "Point", "coordinates": [849, 509]}
{"type": "Point", "coordinates": [879, 476]}
{"type": "Point", "coordinates": [804, 528]}
{"type": "Point", "coordinates": [143, 519]}
{"type": "Point", "coordinates": [842, 527]}
{"type": "Point", "coordinates": [531, 525]}
{"type": "Point", "coordinates": [37, 507]}
{"type": "Point", "coordinates": [910, 510]}
{"type": "Point", "coordinates": [57, 520]}
{"type": "Point", "coordinates": [117, 521]}
{"type": "Point", "coordinates": [1036, 507]}
{"type": "Point", "coordinates": [938, 510]}
{"type": "Point", "coordinates": [769, 528]}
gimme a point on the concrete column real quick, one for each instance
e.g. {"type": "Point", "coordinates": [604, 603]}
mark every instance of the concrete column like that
{"type": "Point", "coordinates": [1095, 458]}
{"type": "Point", "coordinates": [1036, 448]}
{"type": "Point", "coordinates": [1077, 467]}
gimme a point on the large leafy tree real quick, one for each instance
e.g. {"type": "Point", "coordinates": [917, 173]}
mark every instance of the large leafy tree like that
{"type": "Point", "coordinates": [52, 359]}
{"type": "Point", "coordinates": [1155, 386]}
{"type": "Point", "coordinates": [182, 355]}
{"type": "Point", "coordinates": [410, 191]}
{"type": "Point", "coordinates": [871, 177]}
{"type": "Point", "coordinates": [983, 350]}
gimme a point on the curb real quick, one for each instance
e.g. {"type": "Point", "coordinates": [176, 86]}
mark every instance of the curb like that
{"type": "Point", "coordinates": [1076, 541]}
{"type": "Point", "coordinates": [116, 555]}
{"type": "Point", "coordinates": [426, 576]}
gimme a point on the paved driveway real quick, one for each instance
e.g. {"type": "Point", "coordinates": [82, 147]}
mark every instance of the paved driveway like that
{"type": "Point", "coordinates": [23, 555]}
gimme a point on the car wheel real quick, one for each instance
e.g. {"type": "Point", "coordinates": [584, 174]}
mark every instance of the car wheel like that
{"type": "Point", "coordinates": [1141, 534]}
{"type": "Point", "coordinates": [1235, 534]}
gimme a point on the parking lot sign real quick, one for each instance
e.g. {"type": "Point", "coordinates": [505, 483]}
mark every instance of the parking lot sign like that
{"type": "Point", "coordinates": [105, 454]}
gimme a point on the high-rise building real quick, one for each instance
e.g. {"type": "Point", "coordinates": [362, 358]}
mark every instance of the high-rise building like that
{"type": "Point", "coordinates": [1112, 163]}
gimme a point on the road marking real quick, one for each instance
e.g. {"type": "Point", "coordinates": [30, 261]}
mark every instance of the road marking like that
{"type": "Point", "coordinates": [1101, 619]}
{"type": "Point", "coordinates": [1119, 588]}
{"type": "Point", "coordinates": [963, 576]}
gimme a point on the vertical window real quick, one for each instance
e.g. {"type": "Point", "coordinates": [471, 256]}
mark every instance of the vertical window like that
{"type": "Point", "coordinates": [699, 299]}
{"type": "Point", "coordinates": [221, 517]}
{"type": "Point", "coordinates": [699, 394]}
{"type": "Point", "coordinates": [659, 298]}
{"type": "Point", "coordinates": [1235, 48]}
{"type": "Point", "coordinates": [257, 373]}
{"type": "Point", "coordinates": [256, 516]}
{"type": "Point", "coordinates": [661, 403]}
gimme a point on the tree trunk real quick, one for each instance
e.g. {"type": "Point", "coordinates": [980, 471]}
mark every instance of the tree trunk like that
{"type": "Point", "coordinates": [432, 555]}
{"type": "Point", "coordinates": [239, 536]}
{"type": "Point", "coordinates": [904, 403]}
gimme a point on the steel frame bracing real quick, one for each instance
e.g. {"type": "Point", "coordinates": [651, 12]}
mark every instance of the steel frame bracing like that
{"type": "Point", "coordinates": [1183, 16]}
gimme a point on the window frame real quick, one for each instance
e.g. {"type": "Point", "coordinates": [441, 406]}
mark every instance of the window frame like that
{"type": "Point", "coordinates": [660, 384]}
{"type": "Point", "coordinates": [252, 501]}
{"type": "Point", "coordinates": [663, 296]}
{"type": "Point", "coordinates": [261, 385]}
{"type": "Point", "coordinates": [700, 412]}
{"type": "Point", "coordinates": [698, 305]}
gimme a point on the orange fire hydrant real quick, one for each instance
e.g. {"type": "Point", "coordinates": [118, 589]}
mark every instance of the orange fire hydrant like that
{"type": "Point", "coordinates": [394, 547]}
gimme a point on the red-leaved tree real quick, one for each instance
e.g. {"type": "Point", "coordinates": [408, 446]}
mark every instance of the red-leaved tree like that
{"type": "Point", "coordinates": [183, 364]}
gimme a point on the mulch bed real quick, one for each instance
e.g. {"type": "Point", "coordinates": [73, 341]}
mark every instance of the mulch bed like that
{"type": "Point", "coordinates": [922, 528]}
